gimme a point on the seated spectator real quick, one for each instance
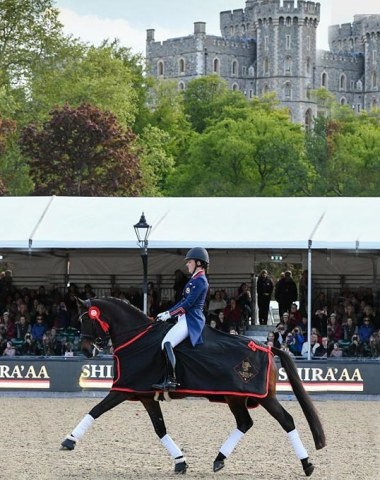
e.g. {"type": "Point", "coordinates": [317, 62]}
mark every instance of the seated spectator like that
{"type": "Point", "coordinates": [374, 344]}
{"type": "Point", "coordinates": [336, 351]}
{"type": "Point", "coordinates": [320, 321]}
{"type": "Point", "coordinates": [62, 316]}
{"type": "Point", "coordinates": [222, 324]}
{"type": "Point", "coordinates": [279, 334]}
{"type": "Point", "coordinates": [365, 332]}
{"type": "Point", "coordinates": [9, 326]}
{"type": "Point", "coordinates": [39, 328]}
{"type": "Point", "coordinates": [213, 324]}
{"type": "Point", "coordinates": [312, 347]}
{"type": "Point", "coordinates": [336, 332]}
{"type": "Point", "coordinates": [322, 350]}
{"type": "Point", "coordinates": [22, 328]}
{"type": "Point", "coordinates": [10, 350]}
{"type": "Point", "coordinates": [28, 347]}
{"type": "Point", "coordinates": [295, 317]}
{"type": "Point", "coordinates": [232, 315]}
{"type": "Point", "coordinates": [215, 305]}
{"type": "Point", "coordinates": [349, 329]}
{"type": "Point", "coordinates": [270, 341]}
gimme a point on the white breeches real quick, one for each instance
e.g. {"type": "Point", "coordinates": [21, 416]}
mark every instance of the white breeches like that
{"type": "Point", "coordinates": [177, 333]}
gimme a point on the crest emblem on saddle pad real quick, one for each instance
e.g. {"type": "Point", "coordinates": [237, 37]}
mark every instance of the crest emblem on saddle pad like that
{"type": "Point", "coordinates": [246, 371]}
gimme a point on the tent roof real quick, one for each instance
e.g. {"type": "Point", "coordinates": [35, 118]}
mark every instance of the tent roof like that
{"type": "Point", "coordinates": [226, 223]}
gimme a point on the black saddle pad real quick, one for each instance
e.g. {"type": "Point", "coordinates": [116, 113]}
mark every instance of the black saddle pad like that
{"type": "Point", "coordinates": [223, 365]}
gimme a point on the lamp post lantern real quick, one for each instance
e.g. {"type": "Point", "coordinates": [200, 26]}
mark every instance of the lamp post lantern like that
{"type": "Point", "coordinates": [142, 230]}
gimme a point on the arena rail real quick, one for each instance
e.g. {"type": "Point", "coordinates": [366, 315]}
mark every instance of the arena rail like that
{"type": "Point", "coordinates": [78, 374]}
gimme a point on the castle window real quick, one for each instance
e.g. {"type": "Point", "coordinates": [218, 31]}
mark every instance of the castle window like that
{"type": "Point", "coordinates": [244, 71]}
{"type": "Point", "coordinates": [234, 68]}
{"type": "Point", "coordinates": [308, 92]}
{"type": "Point", "coordinates": [181, 65]}
{"type": "Point", "coordinates": [251, 94]}
{"type": "Point", "coordinates": [235, 87]}
{"type": "Point", "coordinates": [374, 80]}
{"type": "Point", "coordinates": [359, 85]}
{"type": "Point", "coordinates": [288, 21]}
{"type": "Point", "coordinates": [374, 103]}
{"type": "Point", "coordinates": [266, 42]}
{"type": "Point", "coordinates": [288, 42]}
{"type": "Point", "coordinates": [181, 86]}
{"type": "Point", "coordinates": [339, 45]}
{"type": "Point", "coordinates": [343, 101]}
{"type": "Point", "coordinates": [324, 80]}
{"type": "Point", "coordinates": [231, 30]}
{"type": "Point", "coordinates": [308, 64]}
{"type": "Point", "coordinates": [288, 65]}
{"type": "Point", "coordinates": [243, 29]}
{"type": "Point", "coordinates": [251, 71]}
{"type": "Point", "coordinates": [266, 66]}
{"type": "Point", "coordinates": [288, 91]}
{"type": "Point", "coordinates": [266, 88]}
{"type": "Point", "coordinates": [160, 68]}
{"type": "Point", "coordinates": [281, 20]}
{"type": "Point", "coordinates": [342, 82]}
{"type": "Point", "coordinates": [308, 42]}
{"type": "Point", "coordinates": [216, 65]}
{"type": "Point", "coordinates": [374, 57]}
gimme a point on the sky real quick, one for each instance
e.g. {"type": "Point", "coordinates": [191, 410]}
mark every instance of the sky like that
{"type": "Point", "coordinates": [95, 20]}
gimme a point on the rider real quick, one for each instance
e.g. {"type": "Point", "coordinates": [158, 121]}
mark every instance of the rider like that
{"type": "Point", "coordinates": [189, 309]}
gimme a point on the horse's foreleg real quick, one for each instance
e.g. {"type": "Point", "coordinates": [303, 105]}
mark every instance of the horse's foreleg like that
{"type": "Point", "coordinates": [274, 408]}
{"type": "Point", "coordinates": [154, 411]}
{"type": "Point", "coordinates": [110, 401]}
{"type": "Point", "coordinates": [243, 422]}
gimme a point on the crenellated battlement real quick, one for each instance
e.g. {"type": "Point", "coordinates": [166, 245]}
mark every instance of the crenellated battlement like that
{"type": "Point", "coordinates": [278, 8]}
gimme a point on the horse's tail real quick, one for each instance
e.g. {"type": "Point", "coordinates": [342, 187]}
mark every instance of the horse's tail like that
{"type": "Point", "coordinates": [303, 398]}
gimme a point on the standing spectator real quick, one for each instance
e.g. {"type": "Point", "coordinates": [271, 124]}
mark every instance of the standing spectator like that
{"type": "Point", "coordinates": [320, 321]}
{"type": "Point", "coordinates": [285, 292]}
{"type": "Point", "coordinates": [264, 294]}
{"type": "Point", "coordinates": [244, 300]}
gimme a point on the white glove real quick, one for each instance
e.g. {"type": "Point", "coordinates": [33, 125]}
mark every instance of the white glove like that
{"type": "Point", "coordinates": [162, 317]}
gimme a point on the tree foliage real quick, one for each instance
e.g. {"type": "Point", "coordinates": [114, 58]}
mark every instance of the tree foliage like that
{"type": "Point", "coordinates": [82, 151]}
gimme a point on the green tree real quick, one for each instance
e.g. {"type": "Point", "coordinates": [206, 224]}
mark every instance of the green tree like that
{"type": "Point", "coordinates": [82, 151]}
{"type": "Point", "coordinates": [108, 77]}
{"type": "Point", "coordinates": [258, 152]}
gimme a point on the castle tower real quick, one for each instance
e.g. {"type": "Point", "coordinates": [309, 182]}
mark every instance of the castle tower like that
{"type": "Point", "coordinates": [371, 39]}
{"type": "Point", "coordinates": [286, 52]}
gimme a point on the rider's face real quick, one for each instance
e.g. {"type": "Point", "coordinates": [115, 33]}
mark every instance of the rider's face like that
{"type": "Point", "coordinates": [190, 264]}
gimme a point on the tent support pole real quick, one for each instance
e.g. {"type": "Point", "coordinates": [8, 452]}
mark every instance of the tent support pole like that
{"type": "Point", "coordinates": [309, 290]}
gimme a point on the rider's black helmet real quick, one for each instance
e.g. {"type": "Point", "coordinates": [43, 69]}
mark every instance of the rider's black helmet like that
{"type": "Point", "coordinates": [198, 253]}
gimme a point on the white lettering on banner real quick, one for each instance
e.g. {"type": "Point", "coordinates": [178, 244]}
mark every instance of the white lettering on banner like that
{"type": "Point", "coordinates": [22, 376]}
{"type": "Point", "coordinates": [329, 379]}
{"type": "Point", "coordinates": [97, 371]}
{"type": "Point", "coordinates": [17, 372]}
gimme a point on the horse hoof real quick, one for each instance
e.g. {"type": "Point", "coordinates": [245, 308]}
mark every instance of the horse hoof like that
{"type": "Point", "coordinates": [68, 444]}
{"type": "Point", "coordinates": [218, 465]}
{"type": "Point", "coordinates": [180, 467]}
{"type": "Point", "coordinates": [308, 469]}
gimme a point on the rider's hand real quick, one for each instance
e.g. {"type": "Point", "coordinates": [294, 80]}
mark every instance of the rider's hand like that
{"type": "Point", "coordinates": [162, 317]}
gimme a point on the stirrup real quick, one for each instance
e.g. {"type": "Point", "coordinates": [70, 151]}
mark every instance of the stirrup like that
{"type": "Point", "coordinates": [168, 384]}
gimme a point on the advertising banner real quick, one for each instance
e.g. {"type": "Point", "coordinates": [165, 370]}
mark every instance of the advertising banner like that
{"type": "Point", "coordinates": [80, 374]}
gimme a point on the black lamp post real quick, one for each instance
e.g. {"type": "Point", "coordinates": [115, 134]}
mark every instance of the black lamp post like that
{"type": "Point", "coordinates": [142, 230]}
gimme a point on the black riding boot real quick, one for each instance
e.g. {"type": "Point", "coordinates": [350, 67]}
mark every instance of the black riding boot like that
{"type": "Point", "coordinates": [169, 382]}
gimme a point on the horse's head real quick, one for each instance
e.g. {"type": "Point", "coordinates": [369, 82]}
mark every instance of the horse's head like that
{"type": "Point", "coordinates": [108, 318]}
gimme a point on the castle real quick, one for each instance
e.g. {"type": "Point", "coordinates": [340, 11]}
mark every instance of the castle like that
{"type": "Point", "coordinates": [270, 46]}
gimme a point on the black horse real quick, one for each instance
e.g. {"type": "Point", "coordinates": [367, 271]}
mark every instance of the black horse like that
{"type": "Point", "coordinates": [138, 363]}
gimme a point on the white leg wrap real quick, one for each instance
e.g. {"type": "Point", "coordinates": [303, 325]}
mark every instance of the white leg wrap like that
{"type": "Point", "coordinates": [297, 445]}
{"type": "Point", "coordinates": [171, 447]}
{"type": "Point", "coordinates": [82, 427]}
{"type": "Point", "coordinates": [231, 442]}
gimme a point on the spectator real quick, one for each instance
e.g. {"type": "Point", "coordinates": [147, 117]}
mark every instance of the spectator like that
{"type": "Point", "coordinates": [365, 331]}
{"type": "Point", "coordinates": [312, 347]}
{"type": "Point", "coordinates": [264, 294]}
{"type": "Point", "coordinates": [336, 332]}
{"type": "Point", "coordinates": [285, 292]}
{"type": "Point", "coordinates": [87, 292]}
{"type": "Point", "coordinates": [215, 305]}
{"type": "Point", "coordinates": [222, 323]}
{"type": "Point", "coordinates": [232, 315]}
{"type": "Point", "coordinates": [244, 300]}
{"type": "Point", "coordinates": [322, 350]}
{"type": "Point", "coordinates": [10, 350]}
{"type": "Point", "coordinates": [39, 328]}
{"type": "Point", "coordinates": [22, 328]}
{"type": "Point", "coordinates": [62, 317]}
{"type": "Point", "coordinates": [279, 335]}
{"type": "Point", "coordinates": [9, 326]}
{"type": "Point", "coordinates": [320, 321]}
{"type": "Point", "coordinates": [295, 317]}
{"type": "Point", "coordinates": [336, 351]}
{"type": "Point", "coordinates": [349, 329]}
{"type": "Point", "coordinates": [270, 341]}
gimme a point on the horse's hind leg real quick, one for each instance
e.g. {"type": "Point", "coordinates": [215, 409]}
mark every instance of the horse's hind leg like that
{"type": "Point", "coordinates": [154, 411]}
{"type": "Point", "coordinates": [243, 423]}
{"type": "Point", "coordinates": [274, 408]}
{"type": "Point", "coordinates": [113, 399]}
